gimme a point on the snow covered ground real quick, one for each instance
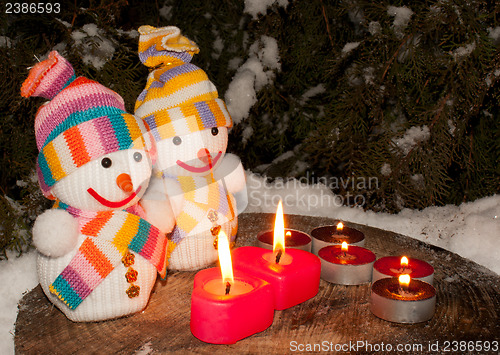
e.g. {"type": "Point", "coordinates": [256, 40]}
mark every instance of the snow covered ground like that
{"type": "Point", "coordinates": [18, 276]}
{"type": "Point", "coordinates": [471, 230]}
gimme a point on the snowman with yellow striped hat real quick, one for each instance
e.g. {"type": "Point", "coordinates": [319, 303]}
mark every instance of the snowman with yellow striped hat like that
{"type": "Point", "coordinates": [204, 185]}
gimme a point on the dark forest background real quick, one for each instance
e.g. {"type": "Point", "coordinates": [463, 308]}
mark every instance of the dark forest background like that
{"type": "Point", "coordinates": [364, 89]}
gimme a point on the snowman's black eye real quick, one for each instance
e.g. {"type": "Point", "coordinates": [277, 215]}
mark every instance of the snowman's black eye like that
{"type": "Point", "coordinates": [137, 156]}
{"type": "Point", "coordinates": [177, 140]}
{"type": "Point", "coordinates": [215, 131]}
{"type": "Point", "coordinates": [106, 162]}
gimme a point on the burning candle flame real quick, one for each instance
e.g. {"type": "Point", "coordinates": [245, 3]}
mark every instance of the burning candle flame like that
{"type": "Point", "coordinates": [340, 226]}
{"type": "Point", "coordinates": [279, 231]}
{"type": "Point", "coordinates": [404, 280]}
{"type": "Point", "coordinates": [226, 267]}
{"type": "Point", "coordinates": [344, 247]}
{"type": "Point", "coordinates": [404, 262]}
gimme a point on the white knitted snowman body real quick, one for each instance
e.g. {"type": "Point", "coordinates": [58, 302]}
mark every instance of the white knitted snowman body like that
{"type": "Point", "coordinates": [199, 156]}
{"type": "Point", "coordinates": [109, 299]}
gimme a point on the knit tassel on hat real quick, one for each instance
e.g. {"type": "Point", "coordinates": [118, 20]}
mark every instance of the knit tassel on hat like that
{"type": "Point", "coordinates": [46, 79]}
{"type": "Point", "coordinates": [165, 45]}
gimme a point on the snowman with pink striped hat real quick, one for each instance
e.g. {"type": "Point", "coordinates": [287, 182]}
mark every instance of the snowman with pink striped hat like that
{"type": "Point", "coordinates": [98, 255]}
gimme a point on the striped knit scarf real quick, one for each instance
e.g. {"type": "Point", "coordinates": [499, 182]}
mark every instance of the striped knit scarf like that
{"type": "Point", "coordinates": [202, 194]}
{"type": "Point", "coordinates": [110, 234]}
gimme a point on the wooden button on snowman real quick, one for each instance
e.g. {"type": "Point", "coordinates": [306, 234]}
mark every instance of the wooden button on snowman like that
{"type": "Point", "coordinates": [204, 186]}
{"type": "Point", "coordinates": [98, 255]}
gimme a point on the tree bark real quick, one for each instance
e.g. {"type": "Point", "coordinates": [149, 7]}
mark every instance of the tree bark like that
{"type": "Point", "coordinates": [338, 318]}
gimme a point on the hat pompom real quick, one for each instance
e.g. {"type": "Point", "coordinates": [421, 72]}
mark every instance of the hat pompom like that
{"type": "Point", "coordinates": [47, 78]}
{"type": "Point", "coordinates": [164, 46]}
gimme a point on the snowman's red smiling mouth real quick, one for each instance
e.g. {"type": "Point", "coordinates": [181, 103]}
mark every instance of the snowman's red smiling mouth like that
{"type": "Point", "coordinates": [112, 204]}
{"type": "Point", "coordinates": [202, 169]}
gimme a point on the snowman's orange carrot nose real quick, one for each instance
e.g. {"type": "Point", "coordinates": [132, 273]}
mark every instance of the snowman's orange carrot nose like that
{"type": "Point", "coordinates": [204, 156]}
{"type": "Point", "coordinates": [124, 182]}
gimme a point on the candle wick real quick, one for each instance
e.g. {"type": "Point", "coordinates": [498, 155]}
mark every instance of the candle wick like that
{"type": "Point", "coordinates": [403, 289]}
{"type": "Point", "coordinates": [278, 256]}
{"type": "Point", "coordinates": [228, 287]}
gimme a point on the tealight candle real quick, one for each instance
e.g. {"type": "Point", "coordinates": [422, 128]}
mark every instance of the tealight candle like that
{"type": "Point", "coordinates": [294, 274]}
{"type": "Point", "coordinates": [335, 234]}
{"type": "Point", "coordinates": [403, 300]}
{"type": "Point", "coordinates": [393, 266]}
{"type": "Point", "coordinates": [227, 307]}
{"type": "Point", "coordinates": [346, 264]}
{"type": "Point", "coordinates": [294, 239]}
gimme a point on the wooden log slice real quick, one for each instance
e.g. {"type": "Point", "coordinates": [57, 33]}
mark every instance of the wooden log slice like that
{"type": "Point", "coordinates": [338, 318]}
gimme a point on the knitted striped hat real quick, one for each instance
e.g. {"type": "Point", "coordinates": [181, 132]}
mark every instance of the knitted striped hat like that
{"type": "Point", "coordinates": [83, 121]}
{"type": "Point", "coordinates": [178, 98]}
